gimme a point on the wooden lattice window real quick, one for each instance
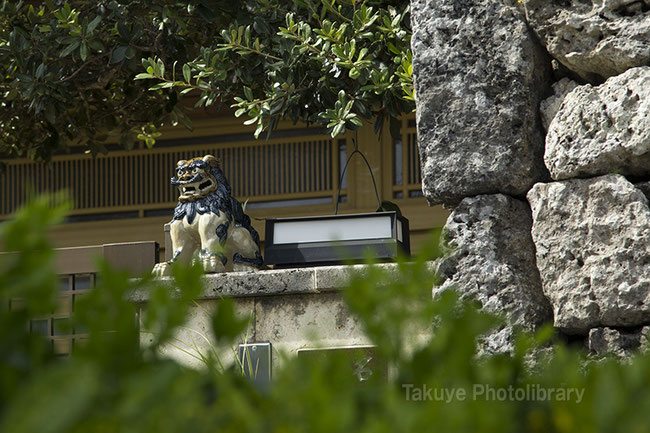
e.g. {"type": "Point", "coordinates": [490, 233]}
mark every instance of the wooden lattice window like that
{"type": "Point", "coordinates": [57, 327]}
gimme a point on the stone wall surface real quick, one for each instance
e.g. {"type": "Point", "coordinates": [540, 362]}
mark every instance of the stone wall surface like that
{"type": "Point", "coordinates": [477, 73]}
{"type": "Point", "coordinates": [592, 240]}
{"type": "Point", "coordinates": [605, 341]}
{"type": "Point", "coordinates": [595, 39]}
{"type": "Point", "coordinates": [492, 259]}
{"type": "Point", "coordinates": [598, 130]}
{"type": "Point", "coordinates": [644, 187]}
{"type": "Point", "coordinates": [479, 78]}
{"type": "Point", "coordinates": [549, 107]}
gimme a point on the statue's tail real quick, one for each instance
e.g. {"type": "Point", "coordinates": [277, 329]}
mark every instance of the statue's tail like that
{"type": "Point", "coordinates": [243, 220]}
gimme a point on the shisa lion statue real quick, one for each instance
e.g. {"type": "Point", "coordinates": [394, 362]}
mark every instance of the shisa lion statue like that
{"type": "Point", "coordinates": [209, 225]}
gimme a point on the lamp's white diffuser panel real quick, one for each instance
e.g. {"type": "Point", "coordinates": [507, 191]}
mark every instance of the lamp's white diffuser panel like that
{"type": "Point", "coordinates": [330, 230]}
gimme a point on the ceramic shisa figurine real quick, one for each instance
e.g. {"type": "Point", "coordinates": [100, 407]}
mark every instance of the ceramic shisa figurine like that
{"type": "Point", "coordinates": [209, 224]}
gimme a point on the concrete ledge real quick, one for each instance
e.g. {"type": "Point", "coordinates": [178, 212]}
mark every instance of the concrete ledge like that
{"type": "Point", "coordinates": [293, 281]}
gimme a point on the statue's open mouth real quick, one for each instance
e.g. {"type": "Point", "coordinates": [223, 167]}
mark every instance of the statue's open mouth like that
{"type": "Point", "coordinates": [193, 190]}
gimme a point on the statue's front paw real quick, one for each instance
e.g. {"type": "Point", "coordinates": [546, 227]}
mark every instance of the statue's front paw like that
{"type": "Point", "coordinates": [213, 264]}
{"type": "Point", "coordinates": [163, 269]}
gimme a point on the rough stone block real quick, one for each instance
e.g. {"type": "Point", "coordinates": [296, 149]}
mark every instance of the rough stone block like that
{"type": "Point", "coordinates": [610, 341]}
{"type": "Point", "coordinates": [603, 129]}
{"type": "Point", "coordinates": [644, 187]}
{"type": "Point", "coordinates": [595, 39]}
{"type": "Point", "coordinates": [592, 240]}
{"type": "Point", "coordinates": [549, 107]}
{"type": "Point", "coordinates": [491, 258]}
{"type": "Point", "coordinates": [479, 76]}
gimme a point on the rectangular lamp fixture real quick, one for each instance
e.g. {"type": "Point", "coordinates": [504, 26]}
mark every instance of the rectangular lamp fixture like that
{"type": "Point", "coordinates": [332, 239]}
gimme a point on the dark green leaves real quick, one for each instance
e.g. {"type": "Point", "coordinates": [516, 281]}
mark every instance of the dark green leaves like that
{"type": "Point", "coordinates": [295, 64]}
{"type": "Point", "coordinates": [72, 70]}
{"type": "Point", "coordinates": [67, 69]}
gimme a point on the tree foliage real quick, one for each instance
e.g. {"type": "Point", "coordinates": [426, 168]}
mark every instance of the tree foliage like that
{"type": "Point", "coordinates": [112, 384]}
{"type": "Point", "coordinates": [91, 73]}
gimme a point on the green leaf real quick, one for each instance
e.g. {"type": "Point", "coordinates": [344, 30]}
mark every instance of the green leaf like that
{"type": "Point", "coordinates": [119, 54]}
{"type": "Point", "coordinates": [130, 53]}
{"type": "Point", "coordinates": [356, 121]}
{"type": "Point", "coordinates": [83, 50]}
{"type": "Point", "coordinates": [259, 129]}
{"type": "Point", "coordinates": [159, 86]}
{"type": "Point", "coordinates": [40, 71]}
{"type": "Point", "coordinates": [93, 24]}
{"type": "Point", "coordinates": [159, 67]}
{"type": "Point", "coordinates": [143, 76]}
{"type": "Point", "coordinates": [96, 45]}
{"type": "Point", "coordinates": [248, 93]}
{"type": "Point", "coordinates": [393, 49]}
{"type": "Point", "coordinates": [70, 48]}
{"type": "Point", "coordinates": [187, 73]}
{"type": "Point", "coordinates": [338, 129]}
{"type": "Point", "coordinates": [123, 30]}
{"type": "Point", "coordinates": [32, 409]}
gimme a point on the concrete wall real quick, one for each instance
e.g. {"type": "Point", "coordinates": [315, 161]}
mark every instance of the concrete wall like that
{"type": "Point", "coordinates": [293, 309]}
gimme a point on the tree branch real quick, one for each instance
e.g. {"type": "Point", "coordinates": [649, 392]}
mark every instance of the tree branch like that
{"type": "Point", "coordinates": [75, 73]}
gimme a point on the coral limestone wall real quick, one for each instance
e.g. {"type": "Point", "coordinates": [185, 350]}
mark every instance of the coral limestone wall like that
{"type": "Point", "coordinates": [534, 126]}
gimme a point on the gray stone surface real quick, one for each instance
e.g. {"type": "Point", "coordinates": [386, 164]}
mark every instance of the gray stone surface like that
{"type": "Point", "coordinates": [619, 342]}
{"type": "Point", "coordinates": [491, 258]}
{"type": "Point", "coordinates": [498, 342]}
{"type": "Point", "coordinates": [644, 187]}
{"type": "Point", "coordinates": [603, 129]}
{"type": "Point", "coordinates": [479, 77]}
{"type": "Point", "coordinates": [549, 107]}
{"type": "Point", "coordinates": [592, 239]}
{"type": "Point", "coordinates": [645, 339]}
{"type": "Point", "coordinates": [596, 39]}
